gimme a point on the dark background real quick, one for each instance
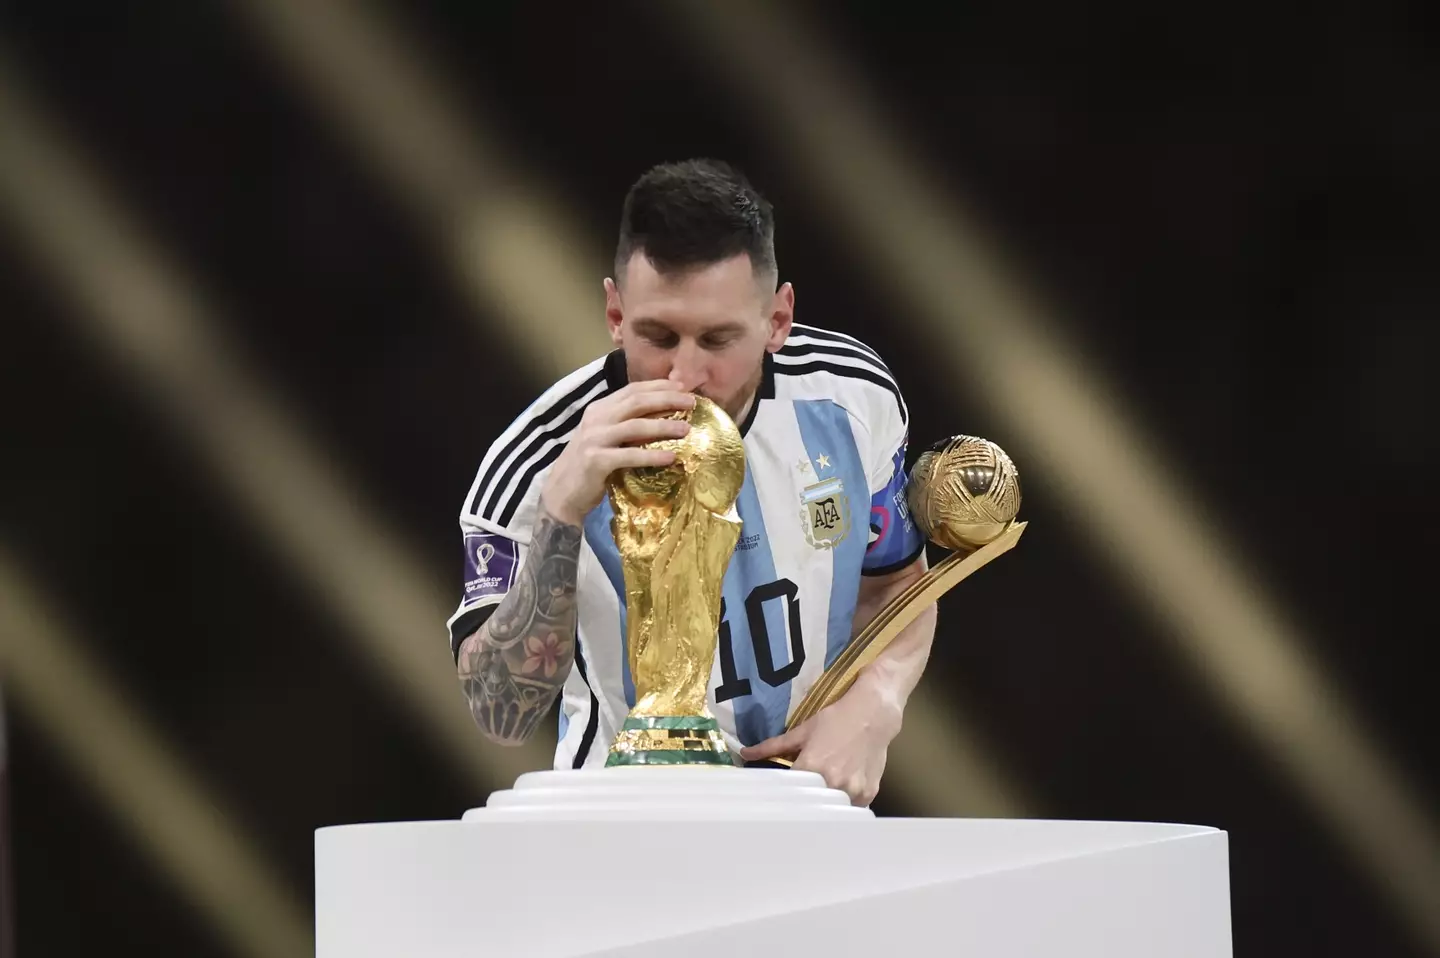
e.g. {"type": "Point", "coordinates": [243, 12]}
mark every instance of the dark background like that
{"type": "Point", "coordinates": [1236, 209]}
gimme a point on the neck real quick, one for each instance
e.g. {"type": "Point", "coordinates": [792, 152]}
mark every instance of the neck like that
{"type": "Point", "coordinates": [744, 409]}
{"type": "Point", "coordinates": [752, 395]}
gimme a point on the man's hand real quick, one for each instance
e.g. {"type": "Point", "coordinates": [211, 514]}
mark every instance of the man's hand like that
{"type": "Point", "coordinates": [847, 743]}
{"type": "Point", "coordinates": [609, 438]}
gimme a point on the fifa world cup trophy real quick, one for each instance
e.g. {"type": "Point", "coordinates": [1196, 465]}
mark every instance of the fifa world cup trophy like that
{"type": "Point", "coordinates": [676, 527]}
{"type": "Point", "coordinates": [964, 495]}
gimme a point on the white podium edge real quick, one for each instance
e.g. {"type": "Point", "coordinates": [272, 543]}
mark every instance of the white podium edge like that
{"type": "Point", "coordinates": [728, 937]}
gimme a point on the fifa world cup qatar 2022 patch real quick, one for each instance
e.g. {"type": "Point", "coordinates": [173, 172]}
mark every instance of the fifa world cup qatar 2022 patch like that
{"type": "Point", "coordinates": [489, 565]}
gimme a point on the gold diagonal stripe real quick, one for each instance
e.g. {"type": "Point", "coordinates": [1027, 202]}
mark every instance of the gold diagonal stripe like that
{"type": "Point", "coordinates": [141, 315]}
{"type": "Point", "coordinates": [168, 813]}
{"type": "Point", "coordinates": [498, 231]}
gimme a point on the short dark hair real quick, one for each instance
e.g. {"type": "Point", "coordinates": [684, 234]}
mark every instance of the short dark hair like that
{"type": "Point", "coordinates": [694, 213]}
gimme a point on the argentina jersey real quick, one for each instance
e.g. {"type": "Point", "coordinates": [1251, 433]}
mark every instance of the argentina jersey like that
{"type": "Point", "coordinates": [823, 504]}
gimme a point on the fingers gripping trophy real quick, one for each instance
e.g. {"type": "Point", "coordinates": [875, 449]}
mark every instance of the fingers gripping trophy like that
{"type": "Point", "coordinates": [676, 528]}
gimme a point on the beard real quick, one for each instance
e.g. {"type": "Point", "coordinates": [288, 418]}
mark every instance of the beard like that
{"type": "Point", "coordinates": [737, 404]}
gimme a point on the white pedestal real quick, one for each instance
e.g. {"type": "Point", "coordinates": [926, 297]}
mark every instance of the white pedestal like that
{"type": "Point", "coordinates": [721, 862]}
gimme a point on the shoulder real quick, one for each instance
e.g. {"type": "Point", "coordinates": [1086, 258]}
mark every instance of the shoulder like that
{"type": "Point", "coordinates": [531, 442]}
{"type": "Point", "coordinates": [820, 363]}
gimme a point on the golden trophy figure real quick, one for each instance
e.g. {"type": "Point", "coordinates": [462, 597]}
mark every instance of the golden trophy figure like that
{"type": "Point", "coordinates": [964, 494]}
{"type": "Point", "coordinates": [676, 529]}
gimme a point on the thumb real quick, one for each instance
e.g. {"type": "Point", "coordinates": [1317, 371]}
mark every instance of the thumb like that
{"type": "Point", "coordinates": [780, 745]}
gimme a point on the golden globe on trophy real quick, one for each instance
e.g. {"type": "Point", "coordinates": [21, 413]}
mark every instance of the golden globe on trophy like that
{"type": "Point", "coordinates": [676, 527]}
{"type": "Point", "coordinates": [964, 495]}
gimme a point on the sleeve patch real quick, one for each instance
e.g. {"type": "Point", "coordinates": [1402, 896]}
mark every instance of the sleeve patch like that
{"type": "Point", "coordinates": [489, 565]}
{"type": "Point", "coordinates": [893, 535]}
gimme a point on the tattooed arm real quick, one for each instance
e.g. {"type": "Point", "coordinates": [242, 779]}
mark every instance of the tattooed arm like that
{"type": "Point", "coordinates": [512, 666]}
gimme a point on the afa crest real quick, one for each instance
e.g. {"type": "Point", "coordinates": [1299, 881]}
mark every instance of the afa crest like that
{"type": "Point", "coordinates": [825, 513]}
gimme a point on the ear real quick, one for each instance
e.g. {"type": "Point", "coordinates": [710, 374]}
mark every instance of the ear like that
{"type": "Point", "coordinates": [782, 317]}
{"type": "Point", "coordinates": [614, 312]}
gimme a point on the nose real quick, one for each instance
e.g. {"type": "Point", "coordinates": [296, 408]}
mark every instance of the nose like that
{"type": "Point", "coordinates": [687, 370]}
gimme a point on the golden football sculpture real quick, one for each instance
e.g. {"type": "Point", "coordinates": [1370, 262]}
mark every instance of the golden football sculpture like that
{"type": "Point", "coordinates": [964, 492]}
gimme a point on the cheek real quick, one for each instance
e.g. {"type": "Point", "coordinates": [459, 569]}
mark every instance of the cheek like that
{"type": "Point", "coordinates": [729, 374]}
{"type": "Point", "coordinates": [739, 369]}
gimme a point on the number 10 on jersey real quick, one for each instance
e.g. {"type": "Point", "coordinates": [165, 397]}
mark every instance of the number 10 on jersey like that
{"type": "Point", "coordinates": [767, 670]}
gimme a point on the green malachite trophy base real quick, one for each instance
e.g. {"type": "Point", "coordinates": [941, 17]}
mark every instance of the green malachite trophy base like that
{"type": "Point", "coordinates": [669, 740]}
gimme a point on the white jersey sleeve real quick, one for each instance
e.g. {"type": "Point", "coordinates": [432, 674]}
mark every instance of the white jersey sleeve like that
{"type": "Point", "coordinates": [499, 509]}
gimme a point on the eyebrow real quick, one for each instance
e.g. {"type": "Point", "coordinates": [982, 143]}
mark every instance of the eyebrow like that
{"type": "Point", "coordinates": [646, 324]}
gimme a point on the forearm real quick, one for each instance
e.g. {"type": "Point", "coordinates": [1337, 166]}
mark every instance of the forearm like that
{"type": "Point", "coordinates": [895, 672]}
{"type": "Point", "coordinates": [512, 667]}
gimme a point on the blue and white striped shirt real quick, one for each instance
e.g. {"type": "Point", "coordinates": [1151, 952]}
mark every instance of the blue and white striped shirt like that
{"type": "Point", "coordinates": [823, 504]}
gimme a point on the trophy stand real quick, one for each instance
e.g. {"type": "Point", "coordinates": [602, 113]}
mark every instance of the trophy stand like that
{"type": "Point", "coordinates": [713, 863]}
{"type": "Point", "coordinates": [695, 794]}
{"type": "Point", "coordinates": [672, 850]}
